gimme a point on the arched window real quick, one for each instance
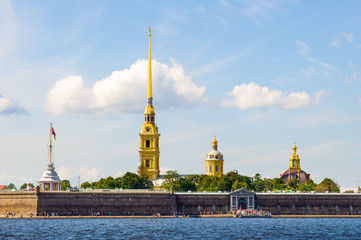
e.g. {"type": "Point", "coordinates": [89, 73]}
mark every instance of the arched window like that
{"type": "Point", "coordinates": [221, 168]}
{"type": "Point", "coordinates": [151, 119]}
{"type": "Point", "coordinates": [147, 163]}
{"type": "Point", "coordinates": [210, 168]}
{"type": "Point", "coordinates": [147, 144]}
{"type": "Point", "coordinates": [216, 168]}
{"type": "Point", "coordinates": [148, 118]}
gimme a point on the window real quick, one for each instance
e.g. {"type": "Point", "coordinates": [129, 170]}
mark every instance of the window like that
{"type": "Point", "coordinates": [147, 144]}
{"type": "Point", "coordinates": [148, 118]}
{"type": "Point", "coordinates": [294, 163]}
{"type": "Point", "coordinates": [221, 168]}
{"type": "Point", "coordinates": [210, 168]}
{"type": "Point", "coordinates": [151, 119]}
{"type": "Point", "coordinates": [147, 163]}
{"type": "Point", "coordinates": [216, 168]}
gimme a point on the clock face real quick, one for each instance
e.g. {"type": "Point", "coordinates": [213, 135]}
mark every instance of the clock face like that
{"type": "Point", "coordinates": [147, 129]}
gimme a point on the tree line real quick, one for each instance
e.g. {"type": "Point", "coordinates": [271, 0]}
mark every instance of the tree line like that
{"type": "Point", "coordinates": [198, 183]}
{"type": "Point", "coordinates": [233, 181]}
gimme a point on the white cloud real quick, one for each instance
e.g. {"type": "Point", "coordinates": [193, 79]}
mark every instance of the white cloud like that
{"type": "Point", "coordinates": [351, 78]}
{"type": "Point", "coordinates": [65, 173]}
{"type": "Point", "coordinates": [252, 95]}
{"type": "Point", "coordinates": [118, 174]}
{"type": "Point", "coordinates": [87, 174]}
{"type": "Point", "coordinates": [125, 91]}
{"type": "Point", "coordinates": [337, 42]}
{"type": "Point", "coordinates": [8, 107]}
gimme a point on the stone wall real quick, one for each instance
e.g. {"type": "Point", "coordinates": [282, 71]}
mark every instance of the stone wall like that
{"type": "Point", "coordinates": [19, 203]}
{"type": "Point", "coordinates": [309, 204]}
{"type": "Point", "coordinates": [106, 203]}
{"type": "Point", "coordinates": [197, 202]}
{"type": "Point", "coordinates": [150, 202]}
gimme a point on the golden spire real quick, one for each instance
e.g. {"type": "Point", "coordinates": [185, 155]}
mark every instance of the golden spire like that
{"type": "Point", "coordinates": [214, 144]}
{"type": "Point", "coordinates": [149, 94]}
{"type": "Point", "coordinates": [294, 147]}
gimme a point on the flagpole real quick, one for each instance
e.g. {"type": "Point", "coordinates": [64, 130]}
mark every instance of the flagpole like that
{"type": "Point", "coordinates": [50, 146]}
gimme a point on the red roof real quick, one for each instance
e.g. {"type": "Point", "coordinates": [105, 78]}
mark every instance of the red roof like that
{"type": "Point", "coordinates": [3, 187]}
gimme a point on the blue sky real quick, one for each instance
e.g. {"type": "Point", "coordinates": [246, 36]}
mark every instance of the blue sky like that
{"type": "Point", "coordinates": [258, 74]}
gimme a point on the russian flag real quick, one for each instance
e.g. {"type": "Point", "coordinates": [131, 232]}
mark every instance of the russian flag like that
{"type": "Point", "coordinates": [53, 132]}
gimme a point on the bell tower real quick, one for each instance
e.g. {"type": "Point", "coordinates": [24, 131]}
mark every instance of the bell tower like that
{"type": "Point", "coordinates": [149, 136]}
{"type": "Point", "coordinates": [294, 162]}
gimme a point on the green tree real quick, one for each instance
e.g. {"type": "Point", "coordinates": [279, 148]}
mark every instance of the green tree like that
{"type": "Point", "coordinates": [171, 180]}
{"type": "Point", "coordinates": [25, 185]}
{"type": "Point", "coordinates": [85, 185]}
{"type": "Point", "coordinates": [12, 186]}
{"type": "Point", "coordinates": [188, 183]}
{"type": "Point", "coordinates": [238, 185]}
{"type": "Point", "coordinates": [328, 185]}
{"type": "Point", "coordinates": [133, 181]}
{"type": "Point", "coordinates": [207, 183]}
{"type": "Point", "coordinates": [293, 184]}
{"type": "Point", "coordinates": [307, 186]}
{"type": "Point", "coordinates": [278, 184]}
{"type": "Point", "coordinates": [65, 184]}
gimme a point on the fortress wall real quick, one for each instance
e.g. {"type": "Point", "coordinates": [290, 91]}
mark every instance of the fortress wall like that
{"type": "Point", "coordinates": [20, 203]}
{"type": "Point", "coordinates": [310, 204]}
{"type": "Point", "coordinates": [106, 203]}
{"type": "Point", "coordinates": [208, 202]}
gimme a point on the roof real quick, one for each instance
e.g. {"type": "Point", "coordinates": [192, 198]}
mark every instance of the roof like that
{"type": "Point", "coordinates": [4, 187]}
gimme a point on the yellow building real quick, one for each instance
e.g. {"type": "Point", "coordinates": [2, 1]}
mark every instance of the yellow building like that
{"type": "Point", "coordinates": [294, 171]}
{"type": "Point", "coordinates": [214, 161]}
{"type": "Point", "coordinates": [149, 136]}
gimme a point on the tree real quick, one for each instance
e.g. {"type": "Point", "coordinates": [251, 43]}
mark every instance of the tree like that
{"type": "Point", "coordinates": [307, 186]}
{"type": "Point", "coordinates": [12, 186]}
{"type": "Point", "coordinates": [293, 184]}
{"type": "Point", "coordinates": [85, 185]}
{"type": "Point", "coordinates": [171, 180]}
{"type": "Point", "coordinates": [278, 184]}
{"type": "Point", "coordinates": [238, 185]}
{"type": "Point", "coordinates": [65, 184]}
{"type": "Point", "coordinates": [328, 185]}
{"type": "Point", "coordinates": [133, 181]}
{"type": "Point", "coordinates": [25, 185]}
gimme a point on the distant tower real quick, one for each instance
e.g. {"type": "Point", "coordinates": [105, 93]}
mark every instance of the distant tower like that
{"type": "Point", "coordinates": [50, 180]}
{"type": "Point", "coordinates": [149, 136]}
{"type": "Point", "coordinates": [294, 171]}
{"type": "Point", "coordinates": [214, 161]}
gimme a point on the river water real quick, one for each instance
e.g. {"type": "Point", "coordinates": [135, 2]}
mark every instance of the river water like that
{"type": "Point", "coordinates": [182, 228]}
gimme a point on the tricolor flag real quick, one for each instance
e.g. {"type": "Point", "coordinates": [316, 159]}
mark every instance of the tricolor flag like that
{"type": "Point", "coordinates": [53, 132]}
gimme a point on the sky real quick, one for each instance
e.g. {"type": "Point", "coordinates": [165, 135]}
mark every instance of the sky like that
{"type": "Point", "coordinates": [258, 75]}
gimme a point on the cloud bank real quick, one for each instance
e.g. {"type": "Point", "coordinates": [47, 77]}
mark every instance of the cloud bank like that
{"type": "Point", "coordinates": [247, 96]}
{"type": "Point", "coordinates": [125, 91]}
{"type": "Point", "coordinates": [10, 107]}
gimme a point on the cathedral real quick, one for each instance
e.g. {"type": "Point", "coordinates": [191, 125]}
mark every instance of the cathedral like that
{"type": "Point", "coordinates": [149, 141]}
{"type": "Point", "coordinates": [294, 171]}
{"type": "Point", "coordinates": [149, 136]}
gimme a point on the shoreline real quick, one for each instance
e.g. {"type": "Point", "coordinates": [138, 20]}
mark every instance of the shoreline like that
{"type": "Point", "coordinates": [170, 216]}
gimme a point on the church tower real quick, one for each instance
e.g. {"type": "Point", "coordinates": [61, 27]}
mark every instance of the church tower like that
{"type": "Point", "coordinates": [294, 171]}
{"type": "Point", "coordinates": [149, 136]}
{"type": "Point", "coordinates": [214, 161]}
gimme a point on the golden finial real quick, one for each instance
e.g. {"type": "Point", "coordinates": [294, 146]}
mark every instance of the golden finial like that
{"type": "Point", "coordinates": [150, 31]}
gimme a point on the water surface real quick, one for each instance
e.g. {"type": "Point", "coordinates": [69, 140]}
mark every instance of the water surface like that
{"type": "Point", "coordinates": [182, 228]}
